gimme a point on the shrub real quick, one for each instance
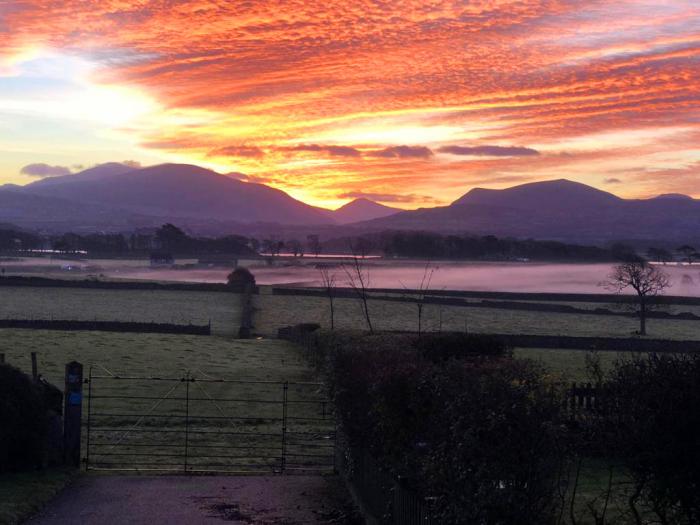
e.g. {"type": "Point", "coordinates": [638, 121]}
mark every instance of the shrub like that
{"type": "Point", "coordinates": [481, 436]}
{"type": "Point", "coordinates": [23, 421]}
{"type": "Point", "coordinates": [494, 445]}
{"type": "Point", "coordinates": [652, 423]}
{"type": "Point", "coordinates": [240, 278]}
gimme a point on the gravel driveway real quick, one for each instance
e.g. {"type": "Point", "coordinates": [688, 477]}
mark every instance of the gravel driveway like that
{"type": "Point", "coordinates": [264, 500]}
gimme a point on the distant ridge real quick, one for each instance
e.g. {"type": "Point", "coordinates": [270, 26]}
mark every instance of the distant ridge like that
{"type": "Point", "coordinates": [559, 210]}
{"type": "Point", "coordinates": [119, 197]}
{"type": "Point", "coordinates": [559, 193]}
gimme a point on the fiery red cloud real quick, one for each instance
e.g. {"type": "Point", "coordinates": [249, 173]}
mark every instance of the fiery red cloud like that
{"type": "Point", "coordinates": [412, 98]}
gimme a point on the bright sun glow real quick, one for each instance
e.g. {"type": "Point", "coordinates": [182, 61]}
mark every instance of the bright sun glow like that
{"type": "Point", "coordinates": [71, 93]}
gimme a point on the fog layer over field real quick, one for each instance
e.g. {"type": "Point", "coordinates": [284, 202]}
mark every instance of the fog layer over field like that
{"type": "Point", "coordinates": [450, 275]}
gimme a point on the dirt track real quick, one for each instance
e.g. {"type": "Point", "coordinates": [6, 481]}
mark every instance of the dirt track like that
{"type": "Point", "coordinates": [264, 500]}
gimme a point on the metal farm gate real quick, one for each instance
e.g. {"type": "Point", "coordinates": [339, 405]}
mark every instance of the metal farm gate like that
{"type": "Point", "coordinates": [195, 424]}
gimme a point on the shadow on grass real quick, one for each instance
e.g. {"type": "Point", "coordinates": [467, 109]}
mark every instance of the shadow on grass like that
{"type": "Point", "coordinates": [25, 493]}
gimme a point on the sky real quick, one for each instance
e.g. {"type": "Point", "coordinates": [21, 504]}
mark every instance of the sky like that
{"type": "Point", "coordinates": [410, 103]}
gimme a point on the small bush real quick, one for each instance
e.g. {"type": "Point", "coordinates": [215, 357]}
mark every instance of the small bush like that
{"type": "Point", "coordinates": [481, 436]}
{"type": "Point", "coordinates": [651, 422]}
{"type": "Point", "coordinates": [23, 421]}
{"type": "Point", "coordinates": [241, 277]}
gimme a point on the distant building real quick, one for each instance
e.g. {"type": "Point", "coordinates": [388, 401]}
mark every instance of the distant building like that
{"type": "Point", "coordinates": [160, 259]}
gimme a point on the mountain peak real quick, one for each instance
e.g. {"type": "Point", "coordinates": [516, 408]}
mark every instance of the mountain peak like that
{"type": "Point", "coordinates": [560, 193]}
{"type": "Point", "coordinates": [362, 202]}
{"type": "Point", "coordinates": [362, 209]}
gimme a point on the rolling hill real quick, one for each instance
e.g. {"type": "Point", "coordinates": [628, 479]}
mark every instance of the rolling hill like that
{"type": "Point", "coordinates": [115, 196]}
{"type": "Point", "coordinates": [559, 210]}
{"type": "Point", "coordinates": [171, 192]}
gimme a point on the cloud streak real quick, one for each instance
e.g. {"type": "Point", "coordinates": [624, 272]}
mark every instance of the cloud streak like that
{"type": "Point", "coordinates": [403, 152]}
{"type": "Point", "coordinates": [335, 151]}
{"type": "Point", "coordinates": [489, 151]}
{"type": "Point", "coordinates": [42, 170]}
{"type": "Point", "coordinates": [386, 197]}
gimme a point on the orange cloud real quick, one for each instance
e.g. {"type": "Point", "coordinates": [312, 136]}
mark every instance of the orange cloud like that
{"type": "Point", "coordinates": [322, 98]}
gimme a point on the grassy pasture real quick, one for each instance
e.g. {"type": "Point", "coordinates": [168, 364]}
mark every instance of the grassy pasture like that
{"type": "Point", "coordinates": [82, 304]}
{"type": "Point", "coordinates": [24, 493]}
{"type": "Point", "coordinates": [232, 426]}
{"type": "Point", "coordinates": [567, 365]}
{"type": "Point", "coordinates": [273, 311]}
{"type": "Point", "coordinates": [162, 355]}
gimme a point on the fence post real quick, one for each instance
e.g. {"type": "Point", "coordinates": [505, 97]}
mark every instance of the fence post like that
{"type": "Point", "coordinates": [35, 369]}
{"type": "Point", "coordinates": [285, 388]}
{"type": "Point", "coordinates": [335, 446]}
{"type": "Point", "coordinates": [72, 412]}
{"type": "Point", "coordinates": [187, 417]}
{"type": "Point", "coordinates": [89, 409]}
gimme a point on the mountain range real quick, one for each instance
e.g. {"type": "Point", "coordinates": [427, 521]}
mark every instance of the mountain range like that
{"type": "Point", "coordinates": [117, 197]}
{"type": "Point", "coordinates": [557, 210]}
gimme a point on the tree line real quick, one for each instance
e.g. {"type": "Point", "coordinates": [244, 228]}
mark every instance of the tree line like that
{"type": "Point", "coordinates": [428, 245]}
{"type": "Point", "coordinates": [167, 238]}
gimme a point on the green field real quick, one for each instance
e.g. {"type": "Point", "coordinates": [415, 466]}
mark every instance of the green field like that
{"type": "Point", "coordinates": [23, 494]}
{"type": "Point", "coordinates": [273, 311]}
{"type": "Point", "coordinates": [154, 355]}
{"type": "Point", "coordinates": [84, 304]}
{"type": "Point", "coordinates": [568, 365]}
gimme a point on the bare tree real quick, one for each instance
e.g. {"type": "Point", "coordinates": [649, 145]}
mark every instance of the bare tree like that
{"type": "Point", "coordinates": [418, 296]}
{"type": "Point", "coordinates": [314, 244]}
{"type": "Point", "coordinates": [329, 284]}
{"type": "Point", "coordinates": [358, 276]}
{"type": "Point", "coordinates": [295, 247]}
{"type": "Point", "coordinates": [647, 280]}
{"type": "Point", "coordinates": [272, 246]}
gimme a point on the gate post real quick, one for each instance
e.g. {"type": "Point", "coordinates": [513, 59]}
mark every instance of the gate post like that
{"type": "Point", "coordinates": [285, 388]}
{"type": "Point", "coordinates": [187, 417]}
{"type": "Point", "coordinates": [72, 413]}
{"type": "Point", "coordinates": [35, 369]}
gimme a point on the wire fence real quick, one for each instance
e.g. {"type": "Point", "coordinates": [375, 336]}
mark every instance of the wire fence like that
{"type": "Point", "coordinates": [201, 424]}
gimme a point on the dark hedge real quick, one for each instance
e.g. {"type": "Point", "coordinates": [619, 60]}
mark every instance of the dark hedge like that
{"type": "Point", "coordinates": [23, 421]}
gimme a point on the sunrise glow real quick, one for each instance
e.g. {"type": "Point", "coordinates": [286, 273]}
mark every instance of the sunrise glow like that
{"type": "Point", "coordinates": [415, 102]}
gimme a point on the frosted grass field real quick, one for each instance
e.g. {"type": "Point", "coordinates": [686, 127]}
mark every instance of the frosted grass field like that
{"type": "Point", "coordinates": [82, 304]}
{"type": "Point", "coordinates": [273, 311]}
{"type": "Point", "coordinates": [385, 273]}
